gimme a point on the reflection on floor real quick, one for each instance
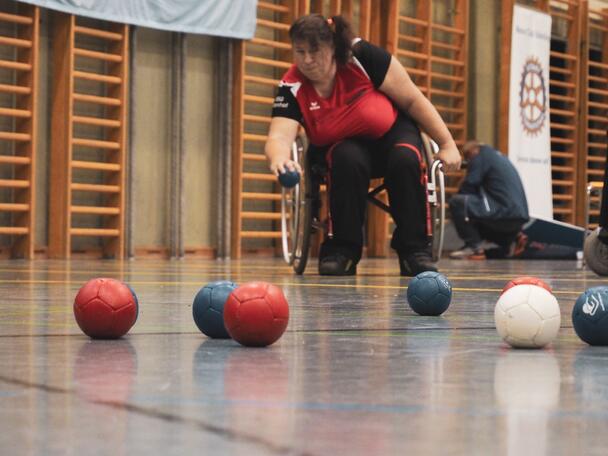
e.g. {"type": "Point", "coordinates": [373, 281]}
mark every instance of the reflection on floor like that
{"type": "Point", "coordinates": [356, 372]}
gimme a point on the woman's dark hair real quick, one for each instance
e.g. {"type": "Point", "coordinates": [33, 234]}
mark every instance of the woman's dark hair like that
{"type": "Point", "coordinates": [315, 29]}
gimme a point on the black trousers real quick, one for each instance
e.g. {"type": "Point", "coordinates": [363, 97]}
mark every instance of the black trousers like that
{"type": "Point", "coordinates": [474, 230]}
{"type": "Point", "coordinates": [397, 157]}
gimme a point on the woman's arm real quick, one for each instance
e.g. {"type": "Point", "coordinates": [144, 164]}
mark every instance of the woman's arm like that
{"type": "Point", "coordinates": [400, 88]}
{"type": "Point", "coordinates": [282, 134]}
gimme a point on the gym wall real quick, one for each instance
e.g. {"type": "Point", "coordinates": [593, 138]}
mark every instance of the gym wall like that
{"type": "Point", "coordinates": [151, 142]}
{"type": "Point", "coordinates": [151, 213]}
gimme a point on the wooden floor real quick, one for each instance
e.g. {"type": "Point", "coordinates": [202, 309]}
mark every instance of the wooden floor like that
{"type": "Point", "coordinates": [356, 372]}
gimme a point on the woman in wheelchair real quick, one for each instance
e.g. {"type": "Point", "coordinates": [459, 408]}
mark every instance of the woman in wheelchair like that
{"type": "Point", "coordinates": [361, 112]}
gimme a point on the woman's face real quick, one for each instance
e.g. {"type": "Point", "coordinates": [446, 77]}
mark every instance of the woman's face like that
{"type": "Point", "coordinates": [314, 63]}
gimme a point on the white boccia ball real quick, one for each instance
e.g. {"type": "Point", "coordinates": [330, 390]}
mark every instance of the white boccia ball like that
{"type": "Point", "coordinates": [527, 316]}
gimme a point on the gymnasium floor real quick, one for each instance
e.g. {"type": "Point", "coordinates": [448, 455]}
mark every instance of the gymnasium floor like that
{"type": "Point", "coordinates": [356, 372]}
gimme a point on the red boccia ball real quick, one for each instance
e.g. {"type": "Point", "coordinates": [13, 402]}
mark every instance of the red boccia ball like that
{"type": "Point", "coordinates": [256, 314]}
{"type": "Point", "coordinates": [105, 308]}
{"type": "Point", "coordinates": [527, 280]}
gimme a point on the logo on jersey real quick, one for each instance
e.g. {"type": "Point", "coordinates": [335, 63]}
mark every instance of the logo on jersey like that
{"type": "Point", "coordinates": [314, 105]}
{"type": "Point", "coordinates": [279, 102]}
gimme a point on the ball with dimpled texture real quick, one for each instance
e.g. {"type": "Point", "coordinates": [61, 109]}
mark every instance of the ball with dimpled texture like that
{"type": "Point", "coordinates": [208, 308]}
{"type": "Point", "coordinates": [590, 316]}
{"type": "Point", "coordinates": [256, 314]}
{"type": "Point", "coordinates": [105, 308]}
{"type": "Point", "coordinates": [526, 280]}
{"type": "Point", "coordinates": [429, 293]}
{"type": "Point", "coordinates": [527, 316]}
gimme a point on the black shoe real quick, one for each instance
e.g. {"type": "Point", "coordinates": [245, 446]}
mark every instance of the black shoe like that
{"type": "Point", "coordinates": [412, 264]}
{"type": "Point", "coordinates": [337, 265]}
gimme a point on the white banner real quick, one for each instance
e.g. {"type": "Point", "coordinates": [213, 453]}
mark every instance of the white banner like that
{"type": "Point", "coordinates": [529, 130]}
{"type": "Point", "coordinates": [233, 19]}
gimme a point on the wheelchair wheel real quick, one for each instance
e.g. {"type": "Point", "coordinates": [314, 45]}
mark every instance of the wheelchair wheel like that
{"type": "Point", "coordinates": [305, 229]}
{"type": "Point", "coordinates": [296, 216]}
{"type": "Point", "coordinates": [596, 254]}
{"type": "Point", "coordinates": [436, 196]}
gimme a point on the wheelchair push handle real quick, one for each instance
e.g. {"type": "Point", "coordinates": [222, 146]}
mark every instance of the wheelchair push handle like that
{"type": "Point", "coordinates": [436, 166]}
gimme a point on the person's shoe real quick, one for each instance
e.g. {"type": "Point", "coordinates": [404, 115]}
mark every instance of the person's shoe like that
{"type": "Point", "coordinates": [337, 265]}
{"type": "Point", "coordinates": [468, 253]}
{"type": "Point", "coordinates": [519, 245]}
{"type": "Point", "coordinates": [414, 263]}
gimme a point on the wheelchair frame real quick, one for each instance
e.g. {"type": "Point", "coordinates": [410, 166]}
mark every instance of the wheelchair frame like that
{"type": "Point", "coordinates": [300, 205]}
{"type": "Point", "coordinates": [595, 252]}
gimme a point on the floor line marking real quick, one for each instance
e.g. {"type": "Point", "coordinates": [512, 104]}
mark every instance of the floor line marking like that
{"type": "Point", "coordinates": [214, 270]}
{"type": "Point", "coordinates": [295, 284]}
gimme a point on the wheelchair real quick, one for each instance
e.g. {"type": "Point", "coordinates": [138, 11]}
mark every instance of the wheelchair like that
{"type": "Point", "coordinates": [301, 205]}
{"type": "Point", "coordinates": [595, 252]}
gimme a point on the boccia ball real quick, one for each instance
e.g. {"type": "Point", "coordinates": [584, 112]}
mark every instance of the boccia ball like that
{"type": "Point", "coordinates": [429, 293]}
{"type": "Point", "coordinates": [527, 316]}
{"type": "Point", "coordinates": [526, 280]}
{"type": "Point", "coordinates": [105, 308]}
{"type": "Point", "coordinates": [208, 308]}
{"type": "Point", "coordinates": [256, 314]}
{"type": "Point", "coordinates": [289, 178]}
{"type": "Point", "coordinates": [590, 316]}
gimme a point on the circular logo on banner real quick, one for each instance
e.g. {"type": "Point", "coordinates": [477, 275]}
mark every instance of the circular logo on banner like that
{"type": "Point", "coordinates": [532, 97]}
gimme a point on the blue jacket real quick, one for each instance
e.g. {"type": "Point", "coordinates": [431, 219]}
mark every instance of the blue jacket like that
{"type": "Point", "coordinates": [496, 190]}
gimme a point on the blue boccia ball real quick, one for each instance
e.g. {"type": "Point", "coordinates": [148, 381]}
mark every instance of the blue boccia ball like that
{"type": "Point", "coordinates": [289, 179]}
{"type": "Point", "coordinates": [429, 293]}
{"type": "Point", "coordinates": [208, 308]}
{"type": "Point", "coordinates": [136, 300]}
{"type": "Point", "coordinates": [590, 316]}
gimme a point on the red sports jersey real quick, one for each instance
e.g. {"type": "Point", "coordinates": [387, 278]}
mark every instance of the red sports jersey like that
{"type": "Point", "coordinates": [354, 109]}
